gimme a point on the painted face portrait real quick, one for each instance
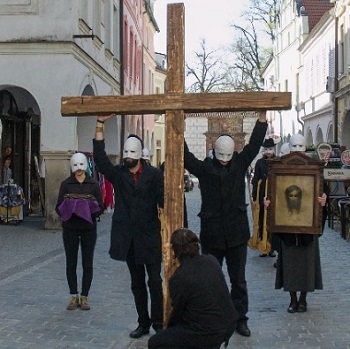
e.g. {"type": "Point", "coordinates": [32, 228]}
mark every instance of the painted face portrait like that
{"type": "Point", "coordinates": [294, 196]}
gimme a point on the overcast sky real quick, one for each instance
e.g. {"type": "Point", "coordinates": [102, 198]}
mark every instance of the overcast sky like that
{"type": "Point", "coordinates": [205, 19]}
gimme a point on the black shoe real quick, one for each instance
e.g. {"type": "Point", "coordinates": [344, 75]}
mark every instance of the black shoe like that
{"type": "Point", "coordinates": [263, 255]}
{"type": "Point", "coordinates": [292, 308]}
{"type": "Point", "coordinates": [139, 332]}
{"type": "Point", "coordinates": [302, 308]}
{"type": "Point", "coordinates": [157, 328]}
{"type": "Point", "coordinates": [272, 254]}
{"type": "Point", "coordinates": [243, 329]}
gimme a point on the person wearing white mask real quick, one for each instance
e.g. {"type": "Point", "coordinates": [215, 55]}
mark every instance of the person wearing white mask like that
{"type": "Point", "coordinates": [224, 220]}
{"type": "Point", "coordinates": [79, 203]}
{"type": "Point", "coordinates": [135, 231]}
{"type": "Point", "coordinates": [297, 143]}
{"type": "Point", "coordinates": [284, 149]}
{"type": "Point", "coordinates": [146, 156]}
{"type": "Point", "coordinates": [298, 263]}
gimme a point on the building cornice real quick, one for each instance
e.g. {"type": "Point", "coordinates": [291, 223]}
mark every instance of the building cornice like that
{"type": "Point", "coordinates": [319, 113]}
{"type": "Point", "coordinates": [59, 48]}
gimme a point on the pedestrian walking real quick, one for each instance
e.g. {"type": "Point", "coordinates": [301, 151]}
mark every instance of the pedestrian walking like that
{"type": "Point", "coordinates": [135, 232]}
{"type": "Point", "coordinates": [79, 204]}
{"type": "Point", "coordinates": [224, 221]}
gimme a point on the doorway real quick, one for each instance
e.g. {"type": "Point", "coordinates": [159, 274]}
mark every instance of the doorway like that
{"type": "Point", "coordinates": [20, 131]}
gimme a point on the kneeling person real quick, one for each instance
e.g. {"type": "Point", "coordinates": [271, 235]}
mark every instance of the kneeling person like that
{"type": "Point", "coordinates": [203, 314]}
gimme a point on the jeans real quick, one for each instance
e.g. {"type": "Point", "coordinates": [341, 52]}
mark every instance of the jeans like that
{"type": "Point", "coordinates": [72, 238]}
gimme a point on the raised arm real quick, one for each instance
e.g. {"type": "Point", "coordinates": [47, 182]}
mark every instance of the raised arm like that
{"type": "Point", "coordinates": [99, 133]}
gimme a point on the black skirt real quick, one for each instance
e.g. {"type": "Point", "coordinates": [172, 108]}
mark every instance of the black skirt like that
{"type": "Point", "coordinates": [299, 267]}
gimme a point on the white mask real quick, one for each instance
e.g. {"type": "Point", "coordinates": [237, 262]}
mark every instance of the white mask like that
{"type": "Point", "coordinates": [145, 154]}
{"type": "Point", "coordinates": [224, 147]}
{"type": "Point", "coordinates": [78, 162]}
{"type": "Point", "coordinates": [297, 143]}
{"type": "Point", "coordinates": [132, 148]}
{"type": "Point", "coordinates": [284, 149]}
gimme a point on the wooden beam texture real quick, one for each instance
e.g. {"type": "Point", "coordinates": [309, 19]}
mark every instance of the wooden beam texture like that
{"type": "Point", "coordinates": [189, 103]}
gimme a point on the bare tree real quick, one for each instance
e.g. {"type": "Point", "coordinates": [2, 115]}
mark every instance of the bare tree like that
{"type": "Point", "coordinates": [207, 72]}
{"type": "Point", "coordinates": [265, 13]}
{"type": "Point", "coordinates": [240, 67]}
{"type": "Point", "coordinates": [253, 48]}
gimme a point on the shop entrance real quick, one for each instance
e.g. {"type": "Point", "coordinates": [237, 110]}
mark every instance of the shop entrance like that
{"type": "Point", "coordinates": [20, 140]}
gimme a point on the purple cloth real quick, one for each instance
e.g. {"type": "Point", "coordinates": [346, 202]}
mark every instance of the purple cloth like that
{"type": "Point", "coordinates": [80, 207]}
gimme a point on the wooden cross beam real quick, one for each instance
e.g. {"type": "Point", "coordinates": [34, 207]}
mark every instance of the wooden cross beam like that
{"type": "Point", "coordinates": [174, 103]}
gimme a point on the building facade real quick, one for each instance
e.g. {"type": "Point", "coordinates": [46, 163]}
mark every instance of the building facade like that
{"type": "Point", "coordinates": [315, 103]}
{"type": "Point", "coordinates": [302, 63]}
{"type": "Point", "coordinates": [342, 72]}
{"type": "Point", "coordinates": [50, 49]}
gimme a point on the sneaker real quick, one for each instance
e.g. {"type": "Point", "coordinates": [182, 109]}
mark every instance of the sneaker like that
{"type": "Point", "coordinates": [84, 305]}
{"type": "Point", "coordinates": [74, 303]}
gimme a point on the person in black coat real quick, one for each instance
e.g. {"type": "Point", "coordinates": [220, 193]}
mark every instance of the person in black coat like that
{"type": "Point", "coordinates": [261, 173]}
{"type": "Point", "coordinates": [299, 263]}
{"type": "Point", "coordinates": [224, 221]}
{"type": "Point", "coordinates": [203, 315]}
{"type": "Point", "coordinates": [79, 203]}
{"type": "Point", "coordinates": [135, 232]}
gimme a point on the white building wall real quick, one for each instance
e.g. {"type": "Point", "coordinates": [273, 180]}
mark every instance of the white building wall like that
{"type": "Point", "coordinates": [39, 52]}
{"type": "Point", "coordinates": [195, 129]}
{"type": "Point", "coordinates": [315, 103]}
{"type": "Point", "coordinates": [289, 35]}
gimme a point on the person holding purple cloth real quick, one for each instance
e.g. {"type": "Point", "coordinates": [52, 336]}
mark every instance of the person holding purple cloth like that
{"type": "Point", "coordinates": [79, 203]}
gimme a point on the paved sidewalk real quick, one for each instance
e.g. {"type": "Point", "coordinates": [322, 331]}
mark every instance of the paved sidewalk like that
{"type": "Point", "coordinates": [34, 295]}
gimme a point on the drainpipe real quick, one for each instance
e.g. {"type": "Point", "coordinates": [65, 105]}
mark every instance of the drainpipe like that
{"type": "Point", "coordinates": [336, 83]}
{"type": "Point", "coordinates": [122, 90]}
{"type": "Point", "coordinates": [142, 92]}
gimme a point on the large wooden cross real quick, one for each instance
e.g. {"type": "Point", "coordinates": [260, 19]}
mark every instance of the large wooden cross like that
{"type": "Point", "coordinates": [174, 103]}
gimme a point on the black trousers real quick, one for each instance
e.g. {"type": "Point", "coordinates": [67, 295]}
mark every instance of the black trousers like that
{"type": "Point", "coordinates": [72, 238]}
{"type": "Point", "coordinates": [178, 337]}
{"type": "Point", "coordinates": [236, 260]}
{"type": "Point", "coordinates": [139, 290]}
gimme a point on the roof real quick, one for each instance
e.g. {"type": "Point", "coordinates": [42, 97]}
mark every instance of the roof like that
{"type": "Point", "coordinates": [315, 9]}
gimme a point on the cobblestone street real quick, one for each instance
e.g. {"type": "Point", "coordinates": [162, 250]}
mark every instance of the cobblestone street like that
{"type": "Point", "coordinates": [34, 295]}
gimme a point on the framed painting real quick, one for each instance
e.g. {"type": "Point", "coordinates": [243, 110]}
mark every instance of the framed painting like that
{"type": "Point", "coordinates": [295, 182]}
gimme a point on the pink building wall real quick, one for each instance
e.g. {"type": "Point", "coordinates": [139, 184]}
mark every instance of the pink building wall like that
{"type": "Point", "coordinates": [139, 66]}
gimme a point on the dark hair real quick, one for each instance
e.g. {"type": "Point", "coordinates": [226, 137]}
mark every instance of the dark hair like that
{"type": "Point", "coordinates": [185, 244]}
{"type": "Point", "coordinates": [136, 136]}
{"type": "Point", "coordinates": [5, 159]}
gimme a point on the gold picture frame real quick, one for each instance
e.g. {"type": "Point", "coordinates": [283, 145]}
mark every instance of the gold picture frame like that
{"type": "Point", "coordinates": [295, 182]}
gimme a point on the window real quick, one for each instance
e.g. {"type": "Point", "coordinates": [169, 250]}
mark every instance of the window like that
{"type": "Point", "coordinates": [116, 33]}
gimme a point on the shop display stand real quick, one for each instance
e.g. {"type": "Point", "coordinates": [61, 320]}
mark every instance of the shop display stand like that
{"type": "Point", "coordinates": [11, 203]}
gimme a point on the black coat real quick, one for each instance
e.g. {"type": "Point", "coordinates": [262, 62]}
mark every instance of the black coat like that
{"type": "Point", "coordinates": [201, 300]}
{"type": "Point", "coordinates": [72, 186]}
{"type": "Point", "coordinates": [224, 220]}
{"type": "Point", "coordinates": [135, 217]}
{"type": "Point", "coordinates": [260, 172]}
